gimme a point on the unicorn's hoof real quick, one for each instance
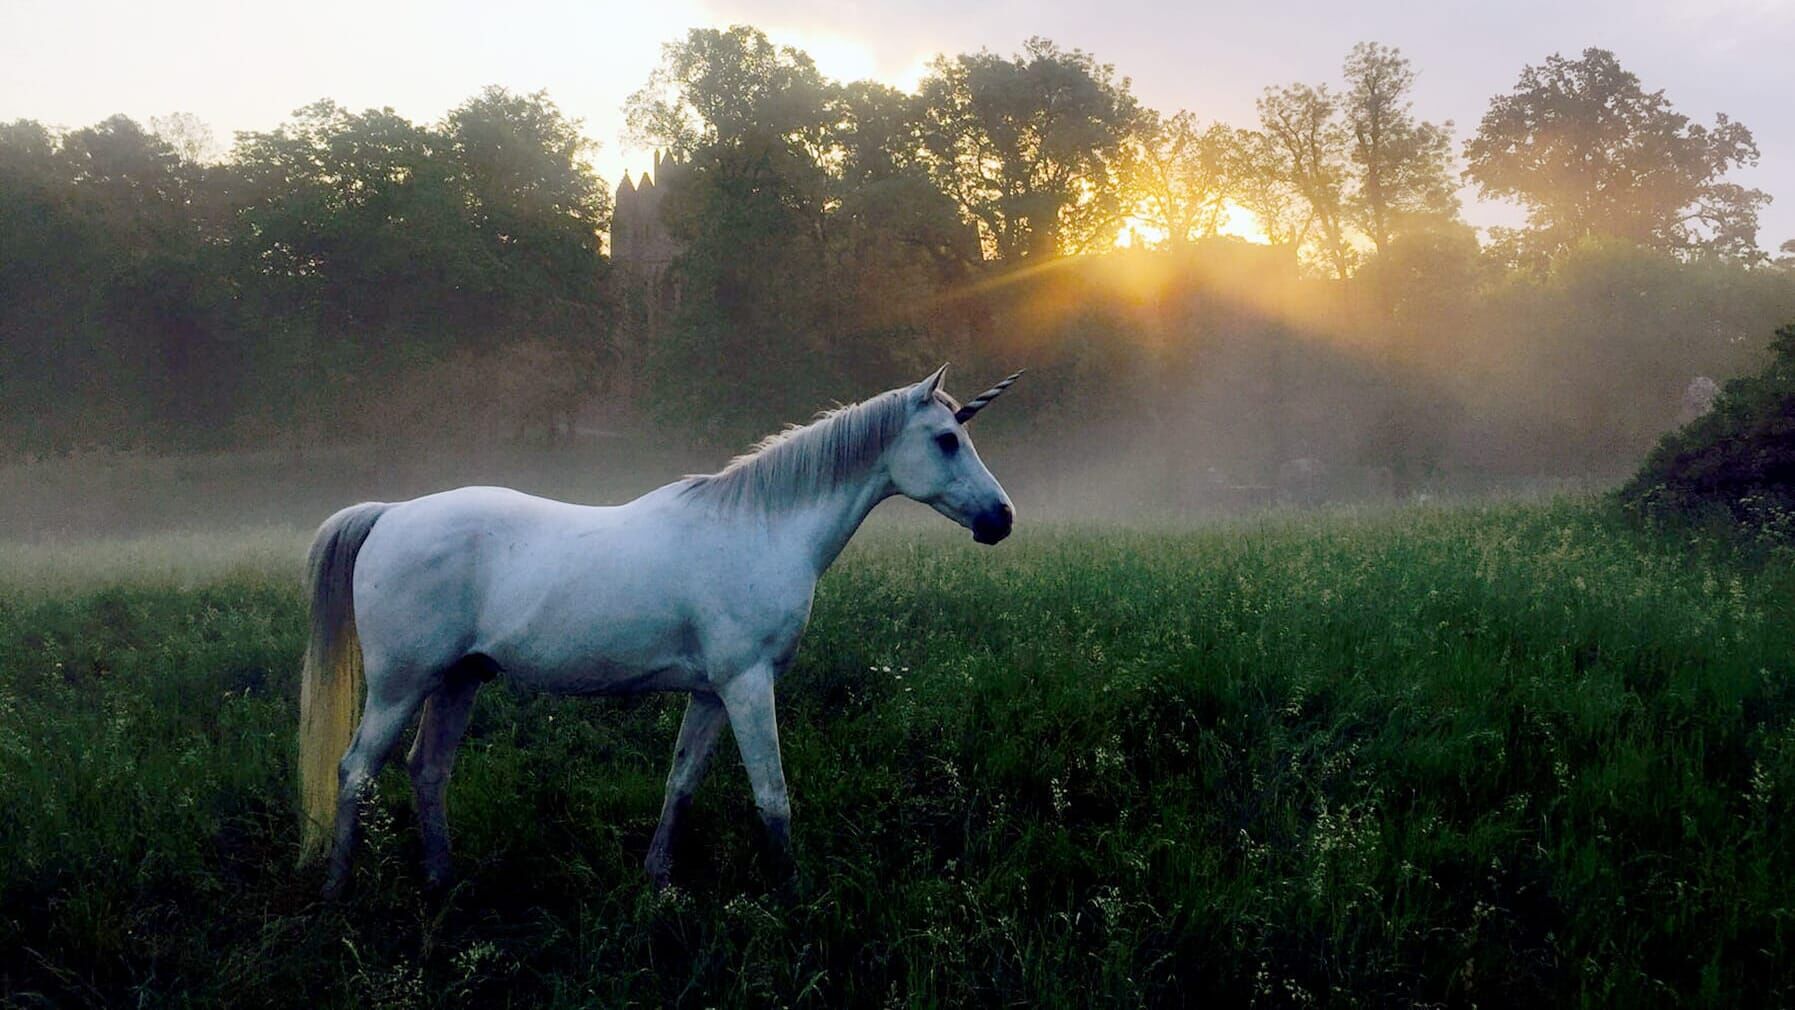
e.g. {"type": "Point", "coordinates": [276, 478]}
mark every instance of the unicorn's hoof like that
{"type": "Point", "coordinates": [660, 872]}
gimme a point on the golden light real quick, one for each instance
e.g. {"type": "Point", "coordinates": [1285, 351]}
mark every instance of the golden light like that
{"type": "Point", "coordinates": [1140, 234]}
{"type": "Point", "coordinates": [1137, 232]}
{"type": "Point", "coordinates": [909, 79]}
{"type": "Point", "coordinates": [837, 56]}
{"type": "Point", "coordinates": [1242, 223]}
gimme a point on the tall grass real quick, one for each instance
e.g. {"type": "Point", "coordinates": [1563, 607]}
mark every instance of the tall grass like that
{"type": "Point", "coordinates": [1464, 756]}
{"type": "Point", "coordinates": [168, 560]}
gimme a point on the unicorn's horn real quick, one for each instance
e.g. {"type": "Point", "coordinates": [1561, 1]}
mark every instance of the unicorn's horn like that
{"type": "Point", "coordinates": [978, 402]}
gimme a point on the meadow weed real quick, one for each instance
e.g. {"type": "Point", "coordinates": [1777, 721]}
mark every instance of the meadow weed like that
{"type": "Point", "coordinates": [1473, 755]}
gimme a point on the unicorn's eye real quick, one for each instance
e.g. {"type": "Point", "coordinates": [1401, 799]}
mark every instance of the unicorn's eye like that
{"type": "Point", "coordinates": [949, 442]}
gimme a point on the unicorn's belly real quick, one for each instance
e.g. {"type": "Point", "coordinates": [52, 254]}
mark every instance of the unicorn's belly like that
{"type": "Point", "coordinates": [618, 655]}
{"type": "Point", "coordinates": [599, 676]}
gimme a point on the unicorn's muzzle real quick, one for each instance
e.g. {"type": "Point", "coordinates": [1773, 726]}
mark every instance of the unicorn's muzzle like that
{"type": "Point", "coordinates": [993, 524]}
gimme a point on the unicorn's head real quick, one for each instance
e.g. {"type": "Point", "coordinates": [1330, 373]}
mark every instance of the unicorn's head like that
{"type": "Point", "coordinates": [932, 460]}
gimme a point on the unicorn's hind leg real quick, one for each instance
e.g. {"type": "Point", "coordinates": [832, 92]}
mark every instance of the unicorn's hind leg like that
{"type": "Point", "coordinates": [388, 711]}
{"type": "Point", "coordinates": [432, 758]}
{"type": "Point", "coordinates": [697, 738]}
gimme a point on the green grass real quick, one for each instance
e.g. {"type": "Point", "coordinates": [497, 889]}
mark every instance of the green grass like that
{"type": "Point", "coordinates": [1459, 756]}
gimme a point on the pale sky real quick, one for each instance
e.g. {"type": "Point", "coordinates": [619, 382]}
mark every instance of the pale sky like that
{"type": "Point", "coordinates": [243, 65]}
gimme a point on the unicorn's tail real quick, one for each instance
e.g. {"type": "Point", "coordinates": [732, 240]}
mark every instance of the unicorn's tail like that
{"type": "Point", "coordinates": [330, 687]}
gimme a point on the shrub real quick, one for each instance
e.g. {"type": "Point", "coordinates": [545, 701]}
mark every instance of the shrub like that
{"type": "Point", "coordinates": [1739, 457]}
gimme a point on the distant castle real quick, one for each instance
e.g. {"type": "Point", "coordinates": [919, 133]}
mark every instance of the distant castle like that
{"type": "Point", "coordinates": [642, 253]}
{"type": "Point", "coordinates": [641, 245]}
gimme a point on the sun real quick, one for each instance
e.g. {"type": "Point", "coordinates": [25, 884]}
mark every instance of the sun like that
{"type": "Point", "coordinates": [1242, 223]}
{"type": "Point", "coordinates": [909, 79]}
{"type": "Point", "coordinates": [1137, 232]}
{"type": "Point", "coordinates": [836, 56]}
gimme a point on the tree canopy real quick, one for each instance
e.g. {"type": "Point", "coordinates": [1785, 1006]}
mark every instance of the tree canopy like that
{"type": "Point", "coordinates": [147, 297]}
{"type": "Point", "coordinates": [1182, 174]}
{"type": "Point", "coordinates": [1590, 152]}
{"type": "Point", "coordinates": [1402, 167]}
{"type": "Point", "coordinates": [1029, 147]}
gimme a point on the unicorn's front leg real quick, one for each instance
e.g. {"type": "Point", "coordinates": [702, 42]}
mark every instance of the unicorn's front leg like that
{"type": "Point", "coordinates": [697, 738]}
{"type": "Point", "coordinates": [748, 698]}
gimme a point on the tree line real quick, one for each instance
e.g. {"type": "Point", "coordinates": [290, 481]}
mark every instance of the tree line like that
{"type": "Point", "coordinates": [352, 274]}
{"type": "Point", "coordinates": [150, 298]}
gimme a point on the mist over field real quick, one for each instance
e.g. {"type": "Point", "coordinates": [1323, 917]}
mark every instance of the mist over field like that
{"type": "Point", "coordinates": [1398, 611]}
{"type": "Point", "coordinates": [1216, 317]}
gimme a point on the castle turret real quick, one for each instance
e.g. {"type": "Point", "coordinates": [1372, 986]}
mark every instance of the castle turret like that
{"type": "Point", "coordinates": [640, 241]}
{"type": "Point", "coordinates": [623, 218]}
{"type": "Point", "coordinates": [642, 251]}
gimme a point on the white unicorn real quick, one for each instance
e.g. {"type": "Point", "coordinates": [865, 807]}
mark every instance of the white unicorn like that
{"type": "Point", "coordinates": [702, 586]}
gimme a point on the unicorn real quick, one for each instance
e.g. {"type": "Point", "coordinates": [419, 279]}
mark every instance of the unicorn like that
{"type": "Point", "coordinates": [702, 586]}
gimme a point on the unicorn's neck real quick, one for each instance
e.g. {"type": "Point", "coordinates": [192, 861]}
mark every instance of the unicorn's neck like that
{"type": "Point", "coordinates": [812, 486]}
{"type": "Point", "coordinates": [821, 527]}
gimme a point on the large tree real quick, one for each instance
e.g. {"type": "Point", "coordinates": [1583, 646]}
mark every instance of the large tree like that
{"type": "Point", "coordinates": [1305, 145]}
{"type": "Point", "coordinates": [752, 121]}
{"type": "Point", "coordinates": [1590, 152]}
{"type": "Point", "coordinates": [1182, 174]}
{"type": "Point", "coordinates": [1401, 167]}
{"type": "Point", "coordinates": [1261, 185]}
{"type": "Point", "coordinates": [54, 266]}
{"type": "Point", "coordinates": [761, 139]}
{"type": "Point", "coordinates": [366, 243]}
{"type": "Point", "coordinates": [187, 134]}
{"type": "Point", "coordinates": [352, 226]}
{"type": "Point", "coordinates": [730, 87]}
{"type": "Point", "coordinates": [533, 195]}
{"type": "Point", "coordinates": [107, 288]}
{"type": "Point", "coordinates": [886, 205]}
{"type": "Point", "coordinates": [1029, 147]}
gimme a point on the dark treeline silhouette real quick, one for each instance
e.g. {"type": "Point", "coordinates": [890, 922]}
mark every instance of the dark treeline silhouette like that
{"type": "Point", "coordinates": [338, 273]}
{"type": "Point", "coordinates": [351, 276]}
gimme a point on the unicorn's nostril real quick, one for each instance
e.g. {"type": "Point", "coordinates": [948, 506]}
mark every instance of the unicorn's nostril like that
{"type": "Point", "coordinates": [993, 524]}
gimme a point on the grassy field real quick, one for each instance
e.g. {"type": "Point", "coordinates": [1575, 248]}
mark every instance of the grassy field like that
{"type": "Point", "coordinates": [1470, 756]}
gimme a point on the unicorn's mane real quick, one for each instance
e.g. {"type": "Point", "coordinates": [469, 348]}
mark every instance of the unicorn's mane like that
{"type": "Point", "coordinates": [807, 461]}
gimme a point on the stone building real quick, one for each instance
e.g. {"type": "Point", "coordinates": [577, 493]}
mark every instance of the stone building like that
{"type": "Point", "coordinates": [642, 255]}
{"type": "Point", "coordinates": [642, 249]}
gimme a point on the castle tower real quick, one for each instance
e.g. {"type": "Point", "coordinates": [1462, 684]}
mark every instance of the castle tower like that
{"type": "Point", "coordinates": [640, 241]}
{"type": "Point", "coordinates": [642, 255]}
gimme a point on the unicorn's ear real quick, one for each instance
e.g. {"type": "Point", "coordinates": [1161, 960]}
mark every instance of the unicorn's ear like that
{"type": "Point", "coordinates": [927, 388]}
